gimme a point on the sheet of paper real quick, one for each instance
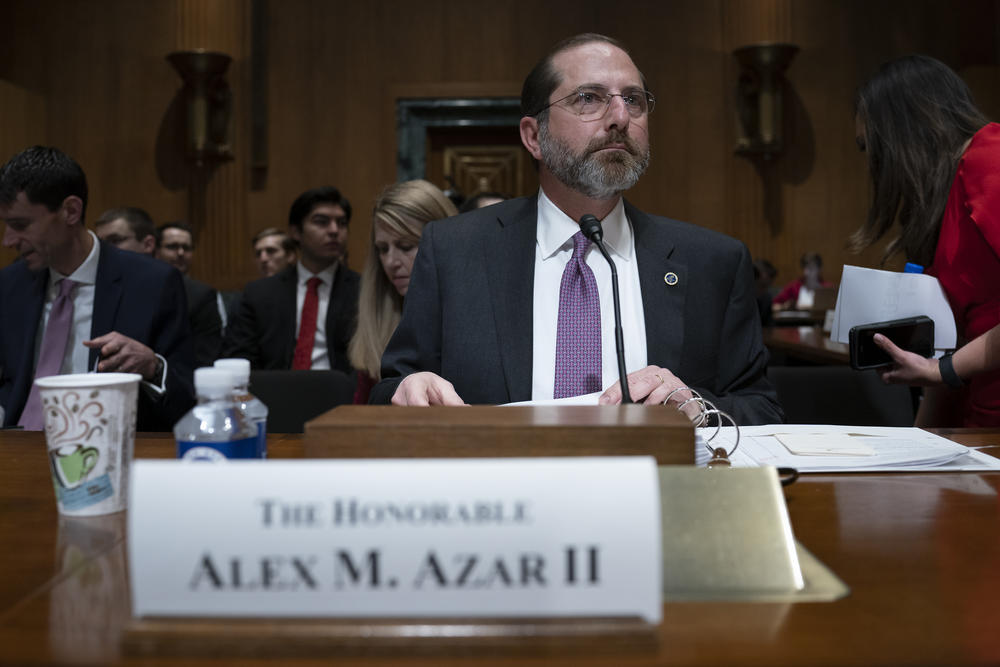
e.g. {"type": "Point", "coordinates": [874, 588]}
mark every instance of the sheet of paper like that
{"type": "Point", "coordinates": [824, 444]}
{"type": "Point", "coordinates": [896, 449]}
{"type": "Point", "coordinates": [585, 399]}
{"type": "Point", "coordinates": [871, 295]}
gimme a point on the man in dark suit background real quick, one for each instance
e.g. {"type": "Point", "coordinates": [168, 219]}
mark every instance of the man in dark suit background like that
{"type": "Point", "coordinates": [483, 316]}
{"type": "Point", "coordinates": [127, 228]}
{"type": "Point", "coordinates": [175, 246]}
{"type": "Point", "coordinates": [127, 310]}
{"type": "Point", "coordinates": [302, 317]}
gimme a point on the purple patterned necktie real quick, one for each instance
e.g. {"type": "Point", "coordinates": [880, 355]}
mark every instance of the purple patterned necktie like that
{"type": "Point", "coordinates": [578, 333]}
{"type": "Point", "coordinates": [51, 353]}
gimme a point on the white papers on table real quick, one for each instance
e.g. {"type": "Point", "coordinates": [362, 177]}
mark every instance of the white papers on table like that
{"type": "Point", "coordinates": [871, 295]}
{"type": "Point", "coordinates": [583, 399]}
{"type": "Point", "coordinates": [895, 449]}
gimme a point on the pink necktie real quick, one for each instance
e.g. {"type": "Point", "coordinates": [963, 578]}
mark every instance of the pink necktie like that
{"type": "Point", "coordinates": [51, 353]}
{"type": "Point", "coordinates": [578, 332]}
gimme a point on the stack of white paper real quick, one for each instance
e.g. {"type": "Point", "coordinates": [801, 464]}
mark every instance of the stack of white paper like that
{"type": "Point", "coordinates": [870, 295]}
{"type": "Point", "coordinates": [820, 448]}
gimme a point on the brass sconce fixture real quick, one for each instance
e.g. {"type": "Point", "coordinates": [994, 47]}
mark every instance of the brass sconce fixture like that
{"type": "Point", "coordinates": [208, 100]}
{"type": "Point", "coordinates": [760, 100]}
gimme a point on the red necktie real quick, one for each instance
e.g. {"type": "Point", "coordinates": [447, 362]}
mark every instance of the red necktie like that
{"type": "Point", "coordinates": [302, 360]}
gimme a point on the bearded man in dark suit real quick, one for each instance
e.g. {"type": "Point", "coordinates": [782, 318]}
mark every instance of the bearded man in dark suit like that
{"type": "Point", "coordinates": [484, 319]}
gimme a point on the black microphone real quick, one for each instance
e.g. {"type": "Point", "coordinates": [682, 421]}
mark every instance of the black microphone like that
{"type": "Point", "coordinates": [591, 228]}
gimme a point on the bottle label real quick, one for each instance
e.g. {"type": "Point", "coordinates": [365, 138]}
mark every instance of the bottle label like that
{"type": "Point", "coordinates": [245, 448]}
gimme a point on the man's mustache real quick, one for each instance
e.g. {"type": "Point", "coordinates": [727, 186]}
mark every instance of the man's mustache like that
{"type": "Point", "coordinates": [614, 137]}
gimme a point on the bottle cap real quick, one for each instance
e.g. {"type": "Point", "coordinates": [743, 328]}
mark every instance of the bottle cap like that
{"type": "Point", "coordinates": [240, 368]}
{"type": "Point", "coordinates": [213, 382]}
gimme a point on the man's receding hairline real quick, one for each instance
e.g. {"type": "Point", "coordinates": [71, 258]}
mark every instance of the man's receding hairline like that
{"type": "Point", "coordinates": [560, 74]}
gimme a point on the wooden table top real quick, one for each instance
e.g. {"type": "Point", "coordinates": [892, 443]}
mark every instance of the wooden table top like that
{"type": "Point", "coordinates": [808, 343]}
{"type": "Point", "coordinates": [920, 553]}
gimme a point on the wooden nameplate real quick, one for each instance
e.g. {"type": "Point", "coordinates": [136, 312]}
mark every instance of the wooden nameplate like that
{"type": "Point", "coordinates": [414, 636]}
{"type": "Point", "coordinates": [364, 431]}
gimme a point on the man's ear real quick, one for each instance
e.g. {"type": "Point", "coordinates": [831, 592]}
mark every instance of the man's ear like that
{"type": "Point", "coordinates": [148, 245]}
{"type": "Point", "coordinates": [529, 136]}
{"type": "Point", "coordinates": [295, 233]}
{"type": "Point", "coordinates": [72, 210]}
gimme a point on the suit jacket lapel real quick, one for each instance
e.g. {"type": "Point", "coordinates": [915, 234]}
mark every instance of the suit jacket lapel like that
{"type": "Point", "coordinates": [107, 297]}
{"type": "Point", "coordinates": [338, 314]}
{"type": "Point", "coordinates": [286, 318]}
{"type": "Point", "coordinates": [23, 373]}
{"type": "Point", "coordinates": [662, 303]}
{"type": "Point", "coordinates": [36, 301]}
{"type": "Point", "coordinates": [509, 256]}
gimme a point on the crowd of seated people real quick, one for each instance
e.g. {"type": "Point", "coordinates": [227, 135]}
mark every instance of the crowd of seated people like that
{"type": "Point", "coordinates": [301, 314]}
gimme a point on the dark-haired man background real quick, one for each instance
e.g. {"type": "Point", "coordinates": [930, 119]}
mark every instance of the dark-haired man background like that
{"type": "Point", "coordinates": [127, 228]}
{"type": "Point", "coordinates": [511, 302]}
{"type": "Point", "coordinates": [274, 250]}
{"type": "Point", "coordinates": [303, 317]}
{"type": "Point", "coordinates": [70, 304]}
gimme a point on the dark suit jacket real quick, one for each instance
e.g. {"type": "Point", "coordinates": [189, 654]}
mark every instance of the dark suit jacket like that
{"type": "Point", "coordinates": [206, 324]}
{"type": "Point", "coordinates": [468, 311]}
{"type": "Point", "coordinates": [134, 295]}
{"type": "Point", "coordinates": [264, 330]}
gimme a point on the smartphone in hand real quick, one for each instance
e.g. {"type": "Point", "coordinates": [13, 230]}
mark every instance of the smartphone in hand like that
{"type": "Point", "coordinates": [915, 334]}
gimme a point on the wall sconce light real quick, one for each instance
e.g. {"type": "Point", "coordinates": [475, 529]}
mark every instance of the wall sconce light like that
{"type": "Point", "coordinates": [759, 99]}
{"type": "Point", "coordinates": [209, 102]}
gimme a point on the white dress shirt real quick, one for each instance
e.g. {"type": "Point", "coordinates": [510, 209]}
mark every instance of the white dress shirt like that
{"type": "Point", "coordinates": [320, 352]}
{"type": "Point", "coordinates": [553, 250]}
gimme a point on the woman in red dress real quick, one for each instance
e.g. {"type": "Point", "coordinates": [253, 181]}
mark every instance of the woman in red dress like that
{"type": "Point", "coordinates": [934, 161]}
{"type": "Point", "coordinates": [401, 212]}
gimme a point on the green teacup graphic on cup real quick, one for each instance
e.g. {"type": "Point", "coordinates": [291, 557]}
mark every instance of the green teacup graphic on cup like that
{"type": "Point", "coordinates": [72, 463]}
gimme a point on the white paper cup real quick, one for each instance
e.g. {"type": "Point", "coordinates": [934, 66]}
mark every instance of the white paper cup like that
{"type": "Point", "coordinates": [90, 434]}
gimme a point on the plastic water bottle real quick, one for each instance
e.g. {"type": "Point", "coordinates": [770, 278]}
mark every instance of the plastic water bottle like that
{"type": "Point", "coordinates": [216, 428]}
{"type": "Point", "coordinates": [252, 406]}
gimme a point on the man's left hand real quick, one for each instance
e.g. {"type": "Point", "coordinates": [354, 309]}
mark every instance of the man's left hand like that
{"type": "Point", "coordinates": [651, 386]}
{"type": "Point", "coordinates": [907, 367]}
{"type": "Point", "coordinates": [121, 354]}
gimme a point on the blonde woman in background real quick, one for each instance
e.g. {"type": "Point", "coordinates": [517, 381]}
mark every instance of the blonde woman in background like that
{"type": "Point", "coordinates": [401, 212]}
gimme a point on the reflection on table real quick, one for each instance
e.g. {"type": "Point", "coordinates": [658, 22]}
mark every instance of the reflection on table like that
{"type": "Point", "coordinates": [805, 343]}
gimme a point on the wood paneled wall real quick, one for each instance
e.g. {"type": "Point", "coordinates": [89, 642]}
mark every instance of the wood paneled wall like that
{"type": "Point", "coordinates": [90, 77]}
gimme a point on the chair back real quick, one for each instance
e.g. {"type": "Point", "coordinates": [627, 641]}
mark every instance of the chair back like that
{"type": "Point", "coordinates": [294, 397]}
{"type": "Point", "coordinates": [840, 395]}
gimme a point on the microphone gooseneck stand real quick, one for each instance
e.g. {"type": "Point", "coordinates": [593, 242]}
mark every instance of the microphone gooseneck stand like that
{"type": "Point", "coordinates": [591, 228]}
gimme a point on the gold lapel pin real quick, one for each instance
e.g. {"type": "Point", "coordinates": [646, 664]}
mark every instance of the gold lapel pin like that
{"type": "Point", "coordinates": [670, 278]}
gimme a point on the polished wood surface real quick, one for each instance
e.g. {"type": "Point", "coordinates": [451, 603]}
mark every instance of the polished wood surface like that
{"type": "Point", "coordinates": [919, 552]}
{"type": "Point", "coordinates": [809, 343]}
{"type": "Point", "coordinates": [94, 82]}
{"type": "Point", "coordinates": [385, 431]}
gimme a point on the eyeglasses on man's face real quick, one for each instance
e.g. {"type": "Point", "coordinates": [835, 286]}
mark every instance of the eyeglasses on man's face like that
{"type": "Point", "coordinates": [592, 102]}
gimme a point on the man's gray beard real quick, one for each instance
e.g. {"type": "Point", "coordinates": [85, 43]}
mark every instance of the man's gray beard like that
{"type": "Point", "coordinates": [597, 177]}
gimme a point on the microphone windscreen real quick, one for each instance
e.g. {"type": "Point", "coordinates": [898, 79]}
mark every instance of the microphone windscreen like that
{"type": "Point", "coordinates": [591, 227]}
